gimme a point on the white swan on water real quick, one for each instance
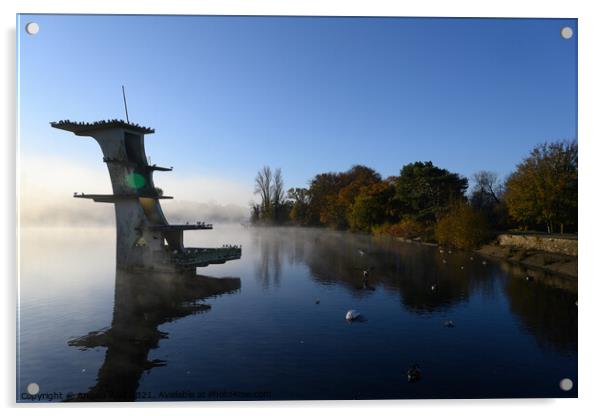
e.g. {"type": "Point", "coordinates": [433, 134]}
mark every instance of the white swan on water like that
{"type": "Point", "coordinates": [352, 315]}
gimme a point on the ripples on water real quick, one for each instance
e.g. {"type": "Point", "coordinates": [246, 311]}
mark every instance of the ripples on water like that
{"type": "Point", "coordinates": [277, 329]}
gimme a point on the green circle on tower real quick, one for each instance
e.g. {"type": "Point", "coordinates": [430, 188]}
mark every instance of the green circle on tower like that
{"type": "Point", "coordinates": [135, 180]}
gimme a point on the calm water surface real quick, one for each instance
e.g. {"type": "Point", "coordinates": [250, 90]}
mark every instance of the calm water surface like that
{"type": "Point", "coordinates": [280, 331]}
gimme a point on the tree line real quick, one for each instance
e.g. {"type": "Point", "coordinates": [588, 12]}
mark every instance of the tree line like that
{"type": "Point", "coordinates": [430, 202]}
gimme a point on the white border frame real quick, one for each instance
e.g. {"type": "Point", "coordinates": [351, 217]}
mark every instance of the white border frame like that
{"type": "Point", "coordinates": [590, 69]}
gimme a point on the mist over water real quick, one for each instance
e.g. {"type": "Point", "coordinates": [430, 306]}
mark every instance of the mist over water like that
{"type": "Point", "coordinates": [61, 212]}
{"type": "Point", "coordinates": [48, 201]}
{"type": "Point", "coordinates": [280, 332]}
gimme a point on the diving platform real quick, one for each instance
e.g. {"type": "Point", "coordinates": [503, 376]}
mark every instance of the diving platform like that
{"type": "Point", "coordinates": [85, 129]}
{"type": "Point", "coordinates": [145, 239]}
{"type": "Point", "coordinates": [113, 198]}
{"type": "Point", "coordinates": [180, 227]}
{"type": "Point", "coordinates": [202, 257]}
{"type": "Point", "coordinates": [133, 164]}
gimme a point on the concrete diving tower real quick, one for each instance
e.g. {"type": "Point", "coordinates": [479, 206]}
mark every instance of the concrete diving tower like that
{"type": "Point", "coordinates": [145, 240]}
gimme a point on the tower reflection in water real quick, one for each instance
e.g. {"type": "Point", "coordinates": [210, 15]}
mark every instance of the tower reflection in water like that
{"type": "Point", "coordinates": [142, 303]}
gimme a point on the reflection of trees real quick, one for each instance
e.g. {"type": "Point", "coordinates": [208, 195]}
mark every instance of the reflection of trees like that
{"type": "Point", "coordinates": [548, 313]}
{"type": "Point", "coordinates": [334, 258]}
{"type": "Point", "coordinates": [276, 244]}
{"type": "Point", "coordinates": [269, 264]}
{"type": "Point", "coordinates": [546, 306]}
{"type": "Point", "coordinates": [409, 269]}
{"type": "Point", "coordinates": [558, 281]}
{"type": "Point", "coordinates": [421, 269]}
{"type": "Point", "coordinates": [142, 303]}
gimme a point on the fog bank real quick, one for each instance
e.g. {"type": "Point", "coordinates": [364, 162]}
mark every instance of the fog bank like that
{"type": "Point", "coordinates": [48, 200]}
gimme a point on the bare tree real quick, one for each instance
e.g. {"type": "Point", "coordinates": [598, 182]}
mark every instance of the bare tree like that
{"type": "Point", "coordinates": [277, 189]}
{"type": "Point", "coordinates": [269, 185]}
{"type": "Point", "coordinates": [263, 187]}
{"type": "Point", "coordinates": [255, 212]}
{"type": "Point", "coordinates": [487, 184]}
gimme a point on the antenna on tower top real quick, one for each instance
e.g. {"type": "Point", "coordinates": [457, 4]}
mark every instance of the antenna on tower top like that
{"type": "Point", "coordinates": [125, 103]}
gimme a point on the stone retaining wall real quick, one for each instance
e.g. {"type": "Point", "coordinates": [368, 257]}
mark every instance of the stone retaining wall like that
{"type": "Point", "coordinates": [558, 245]}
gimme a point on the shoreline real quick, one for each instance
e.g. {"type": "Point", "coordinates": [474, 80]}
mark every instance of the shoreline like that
{"type": "Point", "coordinates": [561, 265]}
{"type": "Point", "coordinates": [556, 263]}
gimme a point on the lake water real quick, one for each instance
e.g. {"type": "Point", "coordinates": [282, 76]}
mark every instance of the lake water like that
{"type": "Point", "coordinates": [280, 332]}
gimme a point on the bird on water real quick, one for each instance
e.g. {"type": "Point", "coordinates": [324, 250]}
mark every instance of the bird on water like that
{"type": "Point", "coordinates": [352, 315]}
{"type": "Point", "coordinates": [414, 373]}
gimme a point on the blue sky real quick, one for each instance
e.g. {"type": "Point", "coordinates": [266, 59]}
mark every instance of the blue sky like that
{"type": "Point", "coordinates": [228, 95]}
